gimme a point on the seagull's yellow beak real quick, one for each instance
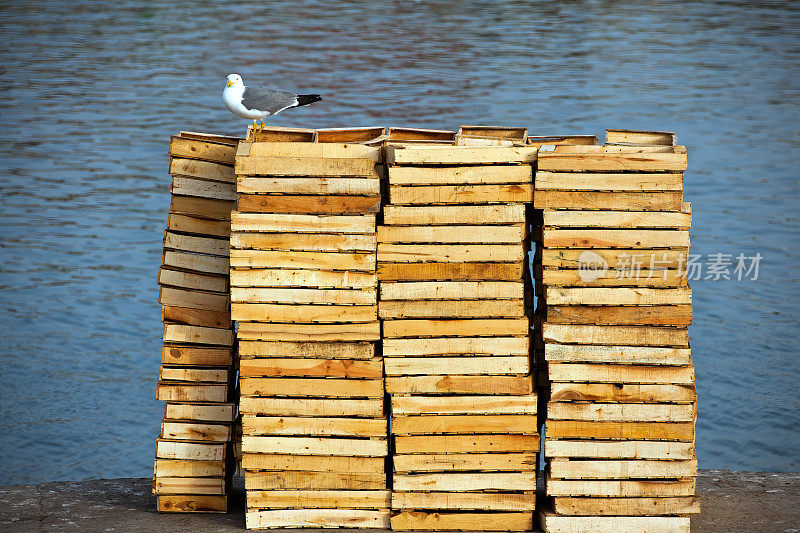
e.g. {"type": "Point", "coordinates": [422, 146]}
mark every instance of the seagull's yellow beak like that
{"type": "Point", "coordinates": [230, 83]}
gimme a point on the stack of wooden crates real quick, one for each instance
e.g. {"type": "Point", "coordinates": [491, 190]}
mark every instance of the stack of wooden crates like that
{"type": "Point", "coordinates": [613, 244]}
{"type": "Point", "coordinates": [451, 255]}
{"type": "Point", "coordinates": [304, 293]}
{"type": "Point", "coordinates": [193, 452]}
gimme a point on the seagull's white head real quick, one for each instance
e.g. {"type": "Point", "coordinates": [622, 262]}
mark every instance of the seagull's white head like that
{"type": "Point", "coordinates": [234, 79]}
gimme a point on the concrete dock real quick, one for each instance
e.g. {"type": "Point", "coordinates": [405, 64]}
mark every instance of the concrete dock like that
{"type": "Point", "coordinates": [730, 501]}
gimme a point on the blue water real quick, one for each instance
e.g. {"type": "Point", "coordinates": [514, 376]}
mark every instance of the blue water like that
{"type": "Point", "coordinates": [93, 90]}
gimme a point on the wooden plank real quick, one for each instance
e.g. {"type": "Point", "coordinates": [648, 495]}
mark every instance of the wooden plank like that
{"type": "Point", "coordinates": [609, 200]}
{"type": "Point", "coordinates": [613, 524]}
{"type": "Point", "coordinates": [575, 429]}
{"type": "Point", "coordinates": [200, 412]}
{"type": "Point", "coordinates": [456, 328]}
{"type": "Point", "coordinates": [196, 149]}
{"type": "Point", "coordinates": [626, 506]}
{"type": "Point", "coordinates": [511, 405]}
{"type": "Point", "coordinates": [463, 424]}
{"type": "Point", "coordinates": [303, 313]}
{"type": "Point", "coordinates": [208, 375]}
{"type": "Point", "coordinates": [616, 259]}
{"type": "Point", "coordinates": [540, 140]}
{"type": "Point", "coordinates": [457, 444]}
{"type": "Point", "coordinates": [604, 373]}
{"type": "Point", "coordinates": [315, 446]}
{"type": "Point", "coordinates": [451, 290]}
{"type": "Point", "coordinates": [447, 384]}
{"type": "Point", "coordinates": [612, 162]}
{"type": "Point", "coordinates": [315, 150]}
{"type": "Point", "coordinates": [461, 194]}
{"type": "Point", "coordinates": [628, 276]}
{"type": "Point", "coordinates": [463, 155]}
{"type": "Point", "coordinates": [499, 132]}
{"type": "Point", "coordinates": [310, 388]}
{"type": "Point", "coordinates": [318, 427]}
{"type": "Point", "coordinates": [455, 462]}
{"type": "Point", "coordinates": [287, 223]}
{"type": "Point", "coordinates": [275, 277]}
{"type": "Point", "coordinates": [195, 431]}
{"type": "Point", "coordinates": [198, 226]}
{"type": "Point", "coordinates": [389, 309]}
{"type": "Point", "coordinates": [198, 335]}
{"type": "Point", "coordinates": [477, 234]}
{"type": "Point", "coordinates": [186, 503]}
{"type": "Point", "coordinates": [201, 169]}
{"type": "Point", "coordinates": [188, 468]}
{"type": "Point", "coordinates": [617, 219]}
{"type": "Point", "coordinates": [196, 355]}
{"type": "Point", "coordinates": [304, 166]}
{"type": "Point", "coordinates": [476, 521]}
{"type": "Point", "coordinates": [632, 449]}
{"type": "Point", "coordinates": [202, 207]}
{"type": "Point", "coordinates": [620, 469]}
{"type": "Point", "coordinates": [195, 317]}
{"type": "Point", "coordinates": [201, 245]}
{"type": "Point", "coordinates": [368, 331]}
{"type": "Point", "coordinates": [302, 480]}
{"type": "Point", "coordinates": [616, 335]}
{"type": "Point", "coordinates": [655, 315]}
{"type": "Point", "coordinates": [311, 407]}
{"type": "Point", "coordinates": [616, 296]}
{"type": "Point", "coordinates": [465, 481]}
{"type": "Point", "coordinates": [457, 346]}
{"type": "Point", "coordinates": [313, 185]}
{"type": "Point", "coordinates": [621, 412]}
{"type": "Point", "coordinates": [453, 214]}
{"type": "Point", "coordinates": [617, 354]}
{"type": "Point", "coordinates": [309, 242]}
{"type": "Point", "coordinates": [199, 451]}
{"type": "Point", "coordinates": [621, 488]}
{"type": "Point", "coordinates": [450, 271]}
{"type": "Point", "coordinates": [319, 499]}
{"type": "Point", "coordinates": [211, 137]}
{"type": "Point", "coordinates": [191, 392]}
{"type": "Point", "coordinates": [297, 367]}
{"type": "Point", "coordinates": [420, 134]}
{"type": "Point", "coordinates": [188, 485]}
{"type": "Point", "coordinates": [622, 392]}
{"type": "Point", "coordinates": [323, 518]}
{"type": "Point", "coordinates": [197, 263]}
{"type": "Point", "coordinates": [494, 365]}
{"type": "Point", "coordinates": [460, 175]}
{"type": "Point", "coordinates": [650, 138]}
{"type": "Point", "coordinates": [615, 238]}
{"type": "Point", "coordinates": [589, 181]}
{"type": "Point", "coordinates": [314, 463]}
{"type": "Point", "coordinates": [322, 350]}
{"type": "Point", "coordinates": [188, 280]}
{"type": "Point", "coordinates": [217, 190]}
{"type": "Point", "coordinates": [487, 501]}
{"type": "Point", "coordinates": [350, 135]}
{"type": "Point", "coordinates": [307, 204]}
{"type": "Point", "coordinates": [295, 295]}
{"type": "Point", "coordinates": [449, 253]}
{"type": "Point", "coordinates": [361, 262]}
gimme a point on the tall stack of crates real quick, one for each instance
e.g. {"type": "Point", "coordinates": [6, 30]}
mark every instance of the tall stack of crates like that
{"type": "Point", "coordinates": [451, 255]}
{"type": "Point", "coordinates": [304, 293]}
{"type": "Point", "coordinates": [193, 464]}
{"type": "Point", "coordinates": [612, 253]}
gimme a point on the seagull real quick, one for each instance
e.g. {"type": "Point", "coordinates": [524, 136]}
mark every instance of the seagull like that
{"type": "Point", "coordinates": [256, 102]}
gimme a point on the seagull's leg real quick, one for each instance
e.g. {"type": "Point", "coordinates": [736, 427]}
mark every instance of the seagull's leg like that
{"type": "Point", "coordinates": [255, 127]}
{"type": "Point", "coordinates": [262, 126]}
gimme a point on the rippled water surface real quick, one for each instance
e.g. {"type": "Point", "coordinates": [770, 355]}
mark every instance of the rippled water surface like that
{"type": "Point", "coordinates": [93, 90]}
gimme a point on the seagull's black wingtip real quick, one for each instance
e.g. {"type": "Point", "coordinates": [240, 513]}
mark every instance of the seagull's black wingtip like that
{"type": "Point", "coordinates": [305, 99]}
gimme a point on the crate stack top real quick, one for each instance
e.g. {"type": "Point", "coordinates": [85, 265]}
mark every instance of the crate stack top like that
{"type": "Point", "coordinates": [613, 245]}
{"type": "Point", "coordinates": [451, 256]}
{"type": "Point", "coordinates": [304, 290]}
{"type": "Point", "coordinates": [193, 464]}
